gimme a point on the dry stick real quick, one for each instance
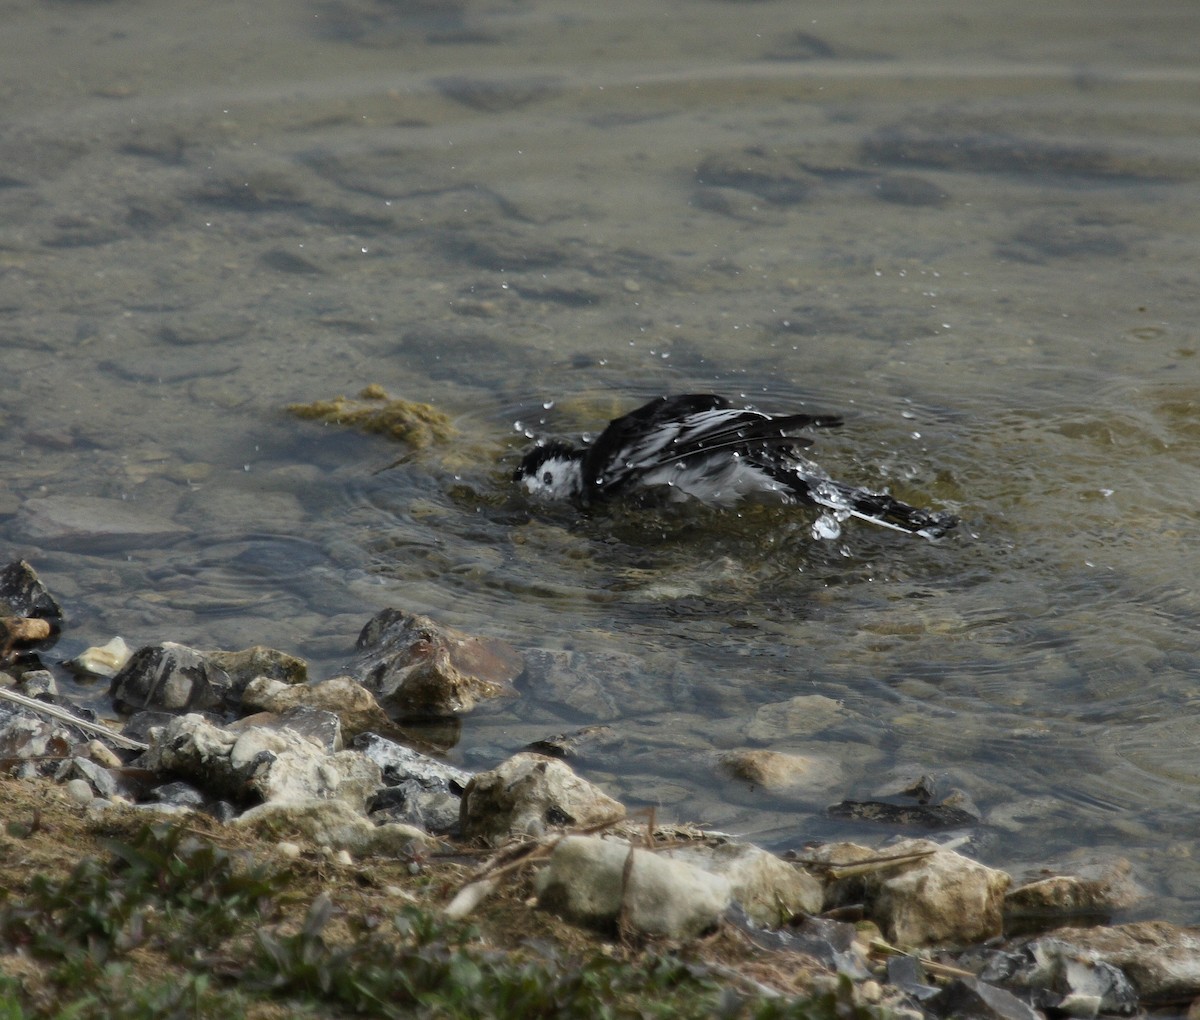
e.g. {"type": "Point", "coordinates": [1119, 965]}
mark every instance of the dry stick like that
{"type": "Point", "coordinates": [878, 863]}
{"type": "Point", "coordinates": [64, 716]}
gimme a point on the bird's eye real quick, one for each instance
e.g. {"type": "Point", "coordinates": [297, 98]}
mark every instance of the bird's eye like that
{"type": "Point", "coordinates": [548, 477]}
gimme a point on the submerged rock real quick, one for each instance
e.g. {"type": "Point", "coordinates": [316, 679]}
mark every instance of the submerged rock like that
{"type": "Point", "coordinates": [419, 669]}
{"type": "Point", "coordinates": [529, 794]}
{"type": "Point", "coordinates": [91, 524]}
{"type": "Point", "coordinates": [780, 772]}
{"type": "Point", "coordinates": [607, 883]}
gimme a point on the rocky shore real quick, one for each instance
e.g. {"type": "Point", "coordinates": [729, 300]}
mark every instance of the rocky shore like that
{"type": "Point", "coordinates": [245, 748]}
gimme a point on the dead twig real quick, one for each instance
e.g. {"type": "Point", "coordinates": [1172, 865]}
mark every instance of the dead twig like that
{"type": "Point", "coordinates": [54, 712]}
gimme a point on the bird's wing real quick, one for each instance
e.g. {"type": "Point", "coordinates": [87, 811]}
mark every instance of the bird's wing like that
{"type": "Point", "coordinates": [678, 429]}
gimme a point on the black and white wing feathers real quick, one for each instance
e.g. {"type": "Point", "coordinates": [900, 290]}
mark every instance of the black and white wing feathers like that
{"type": "Point", "coordinates": [696, 436]}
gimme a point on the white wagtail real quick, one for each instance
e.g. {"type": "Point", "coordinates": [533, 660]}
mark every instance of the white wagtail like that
{"type": "Point", "coordinates": [707, 448]}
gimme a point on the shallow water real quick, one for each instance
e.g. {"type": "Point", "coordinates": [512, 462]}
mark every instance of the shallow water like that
{"type": "Point", "coordinates": [971, 233]}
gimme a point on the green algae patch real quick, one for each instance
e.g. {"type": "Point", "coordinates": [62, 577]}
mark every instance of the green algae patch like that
{"type": "Point", "coordinates": [373, 411]}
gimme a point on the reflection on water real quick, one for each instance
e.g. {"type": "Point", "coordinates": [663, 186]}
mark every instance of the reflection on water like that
{"type": "Point", "coordinates": [972, 237]}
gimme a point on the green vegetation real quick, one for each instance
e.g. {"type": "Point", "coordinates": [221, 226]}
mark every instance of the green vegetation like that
{"type": "Point", "coordinates": [169, 925]}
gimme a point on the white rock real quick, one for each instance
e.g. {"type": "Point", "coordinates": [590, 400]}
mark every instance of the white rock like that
{"type": "Point", "coordinates": [586, 881]}
{"type": "Point", "coordinates": [528, 794]}
{"type": "Point", "coordinates": [278, 764]}
{"type": "Point", "coordinates": [104, 660]}
{"type": "Point", "coordinates": [335, 824]}
{"type": "Point", "coordinates": [943, 899]}
{"type": "Point", "coordinates": [770, 890]}
{"type": "Point", "coordinates": [79, 790]}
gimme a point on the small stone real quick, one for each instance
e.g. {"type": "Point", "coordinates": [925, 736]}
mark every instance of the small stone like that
{"type": "Point", "coordinates": [104, 755]}
{"type": "Point", "coordinates": [777, 771]}
{"type": "Point", "coordinates": [287, 849]}
{"type": "Point", "coordinates": [939, 899]}
{"type": "Point", "coordinates": [38, 683]}
{"type": "Point", "coordinates": [177, 794]}
{"type": "Point", "coordinates": [80, 791]}
{"type": "Point", "coordinates": [104, 660]}
{"type": "Point", "coordinates": [249, 663]}
{"type": "Point", "coordinates": [343, 858]}
{"type": "Point", "coordinates": [335, 824]}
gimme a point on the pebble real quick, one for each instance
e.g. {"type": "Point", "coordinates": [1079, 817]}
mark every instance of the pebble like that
{"type": "Point", "coordinates": [289, 850]}
{"type": "Point", "coordinates": [102, 754]}
{"type": "Point", "coordinates": [80, 791]}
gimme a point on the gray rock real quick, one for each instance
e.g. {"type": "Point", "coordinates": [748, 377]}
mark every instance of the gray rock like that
{"type": "Point", "coordinates": [323, 728]}
{"type": "Point", "coordinates": [592, 881]}
{"type": "Point", "coordinates": [972, 999]}
{"type": "Point", "coordinates": [23, 594]}
{"type": "Point", "coordinates": [419, 790]}
{"type": "Point", "coordinates": [178, 794]}
{"type": "Point", "coordinates": [105, 782]}
{"type": "Point", "coordinates": [88, 523]}
{"type": "Point", "coordinates": [597, 686]}
{"type": "Point", "coordinates": [38, 683]}
{"type": "Point", "coordinates": [401, 764]}
{"type": "Point", "coordinates": [529, 794]}
{"type": "Point", "coordinates": [420, 670]}
{"type": "Point", "coordinates": [171, 677]}
{"type": "Point", "coordinates": [1160, 960]}
{"type": "Point", "coordinates": [24, 735]}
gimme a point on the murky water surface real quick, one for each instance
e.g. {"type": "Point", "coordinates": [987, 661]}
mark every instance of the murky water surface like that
{"type": "Point", "coordinates": [971, 231]}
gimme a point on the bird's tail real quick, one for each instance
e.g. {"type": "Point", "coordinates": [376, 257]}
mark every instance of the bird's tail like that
{"type": "Point", "coordinates": [879, 508]}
